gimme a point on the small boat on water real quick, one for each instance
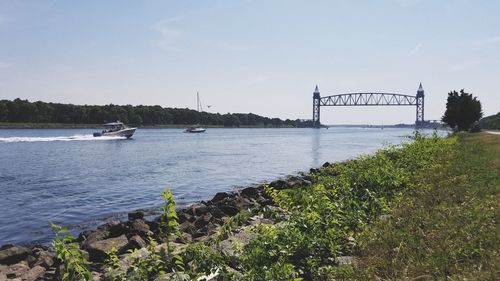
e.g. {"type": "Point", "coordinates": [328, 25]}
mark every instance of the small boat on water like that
{"type": "Point", "coordinates": [116, 129]}
{"type": "Point", "coordinates": [196, 128]}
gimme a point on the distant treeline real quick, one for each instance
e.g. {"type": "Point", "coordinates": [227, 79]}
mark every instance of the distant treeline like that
{"type": "Point", "coordinates": [491, 122]}
{"type": "Point", "coordinates": [24, 111]}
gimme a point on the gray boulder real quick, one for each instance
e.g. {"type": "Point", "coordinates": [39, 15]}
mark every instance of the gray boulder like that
{"type": "Point", "coordinates": [33, 274]}
{"type": "Point", "coordinates": [219, 196]}
{"type": "Point", "coordinates": [16, 270]}
{"type": "Point", "coordinates": [136, 242]}
{"type": "Point", "coordinates": [13, 254]}
{"type": "Point", "coordinates": [229, 210]}
{"type": "Point", "coordinates": [140, 227]}
{"type": "Point", "coordinates": [135, 215]}
{"type": "Point", "coordinates": [98, 250]}
{"type": "Point", "coordinates": [94, 236]}
{"type": "Point", "coordinates": [197, 209]}
{"type": "Point", "coordinates": [45, 259]}
{"type": "Point", "coordinates": [203, 220]}
{"type": "Point", "coordinates": [250, 192]}
{"type": "Point", "coordinates": [187, 227]}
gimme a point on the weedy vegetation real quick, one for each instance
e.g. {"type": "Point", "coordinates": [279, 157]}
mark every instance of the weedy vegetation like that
{"type": "Point", "coordinates": [445, 227]}
{"type": "Point", "coordinates": [74, 265]}
{"type": "Point", "coordinates": [154, 260]}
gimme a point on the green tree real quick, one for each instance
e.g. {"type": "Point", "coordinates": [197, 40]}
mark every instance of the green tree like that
{"type": "Point", "coordinates": [4, 111]}
{"type": "Point", "coordinates": [462, 110]}
{"type": "Point", "coordinates": [17, 111]}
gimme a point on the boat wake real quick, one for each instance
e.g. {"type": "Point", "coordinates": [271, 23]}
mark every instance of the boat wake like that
{"type": "Point", "coordinates": [60, 138]}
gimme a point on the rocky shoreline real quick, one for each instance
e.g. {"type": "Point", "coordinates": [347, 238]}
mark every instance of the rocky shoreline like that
{"type": "Point", "coordinates": [198, 222]}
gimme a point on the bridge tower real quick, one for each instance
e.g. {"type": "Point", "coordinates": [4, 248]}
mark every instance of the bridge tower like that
{"type": "Point", "coordinates": [316, 107]}
{"type": "Point", "coordinates": [419, 121]}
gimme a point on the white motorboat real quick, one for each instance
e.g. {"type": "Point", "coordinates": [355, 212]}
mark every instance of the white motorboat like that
{"type": "Point", "coordinates": [116, 129]}
{"type": "Point", "coordinates": [197, 128]}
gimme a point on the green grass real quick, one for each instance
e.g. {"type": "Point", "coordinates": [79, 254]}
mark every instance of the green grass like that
{"type": "Point", "coordinates": [445, 227]}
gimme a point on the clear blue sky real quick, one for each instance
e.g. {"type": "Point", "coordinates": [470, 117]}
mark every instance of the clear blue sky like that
{"type": "Point", "coordinates": [255, 56]}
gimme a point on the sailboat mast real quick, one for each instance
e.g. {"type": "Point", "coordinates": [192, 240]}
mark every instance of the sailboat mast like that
{"type": "Point", "coordinates": [198, 101]}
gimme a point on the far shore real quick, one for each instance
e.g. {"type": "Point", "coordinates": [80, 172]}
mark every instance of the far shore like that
{"type": "Point", "coordinates": [4, 125]}
{"type": "Point", "coordinates": [98, 126]}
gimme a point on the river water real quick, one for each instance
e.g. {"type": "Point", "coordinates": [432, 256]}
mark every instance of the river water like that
{"type": "Point", "coordinates": [69, 177]}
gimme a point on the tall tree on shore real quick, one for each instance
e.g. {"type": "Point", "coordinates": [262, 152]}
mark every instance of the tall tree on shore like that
{"type": "Point", "coordinates": [462, 110]}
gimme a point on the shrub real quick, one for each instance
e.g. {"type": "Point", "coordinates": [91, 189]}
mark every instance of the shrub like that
{"type": "Point", "coordinates": [75, 265]}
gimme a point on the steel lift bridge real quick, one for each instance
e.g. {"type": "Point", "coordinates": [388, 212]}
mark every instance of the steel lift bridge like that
{"type": "Point", "coordinates": [370, 99]}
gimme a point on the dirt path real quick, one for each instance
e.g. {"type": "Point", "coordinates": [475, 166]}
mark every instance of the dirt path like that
{"type": "Point", "coordinates": [493, 132]}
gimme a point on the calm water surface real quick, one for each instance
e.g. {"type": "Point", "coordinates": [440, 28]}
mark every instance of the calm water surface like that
{"type": "Point", "coordinates": [71, 178]}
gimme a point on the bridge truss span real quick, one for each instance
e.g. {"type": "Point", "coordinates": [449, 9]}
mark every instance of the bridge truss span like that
{"type": "Point", "coordinates": [356, 99]}
{"type": "Point", "coordinates": [370, 99]}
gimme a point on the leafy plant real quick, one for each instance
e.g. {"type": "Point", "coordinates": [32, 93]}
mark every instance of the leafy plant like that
{"type": "Point", "coordinates": [148, 263]}
{"type": "Point", "coordinates": [169, 225]}
{"type": "Point", "coordinates": [204, 260]}
{"type": "Point", "coordinates": [168, 222]}
{"type": "Point", "coordinates": [230, 225]}
{"type": "Point", "coordinates": [75, 265]}
{"type": "Point", "coordinates": [153, 260]}
{"type": "Point", "coordinates": [114, 266]}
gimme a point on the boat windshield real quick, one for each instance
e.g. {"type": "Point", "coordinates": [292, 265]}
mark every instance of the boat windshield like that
{"type": "Point", "coordinates": [114, 126]}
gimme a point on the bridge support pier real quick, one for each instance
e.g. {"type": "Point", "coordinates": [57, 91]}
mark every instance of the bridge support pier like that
{"type": "Point", "coordinates": [419, 121]}
{"type": "Point", "coordinates": [316, 108]}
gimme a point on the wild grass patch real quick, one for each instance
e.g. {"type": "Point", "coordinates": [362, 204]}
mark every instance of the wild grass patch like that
{"type": "Point", "coordinates": [446, 226]}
